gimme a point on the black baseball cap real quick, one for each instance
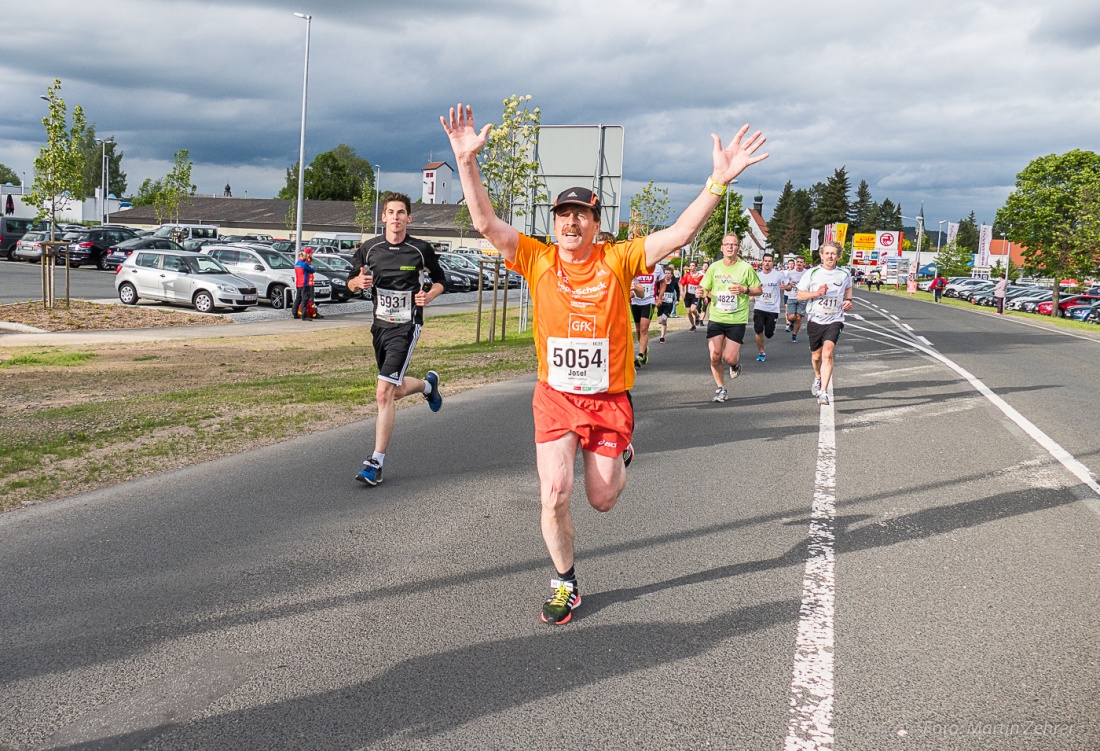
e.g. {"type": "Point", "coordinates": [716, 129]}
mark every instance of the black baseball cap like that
{"type": "Point", "coordinates": [578, 197]}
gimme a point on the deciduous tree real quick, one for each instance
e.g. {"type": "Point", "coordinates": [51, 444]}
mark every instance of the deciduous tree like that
{"type": "Point", "coordinates": [649, 209]}
{"type": "Point", "coordinates": [1050, 213]}
{"type": "Point", "coordinates": [7, 175]}
{"type": "Point", "coordinates": [58, 169]}
{"type": "Point", "coordinates": [509, 168]}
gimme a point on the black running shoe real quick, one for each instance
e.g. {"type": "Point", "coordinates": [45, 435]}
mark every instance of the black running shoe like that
{"type": "Point", "coordinates": [628, 455]}
{"type": "Point", "coordinates": [558, 610]}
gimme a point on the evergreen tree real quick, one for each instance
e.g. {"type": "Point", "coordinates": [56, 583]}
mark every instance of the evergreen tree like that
{"type": "Point", "coordinates": [832, 203]}
{"type": "Point", "coordinates": [968, 236]}
{"type": "Point", "coordinates": [861, 209]}
{"type": "Point", "coordinates": [890, 218]}
{"type": "Point", "coordinates": [777, 225]}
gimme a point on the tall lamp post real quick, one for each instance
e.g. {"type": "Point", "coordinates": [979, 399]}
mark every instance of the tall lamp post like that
{"type": "Point", "coordinates": [302, 144]}
{"type": "Point", "coordinates": [377, 193]}
{"type": "Point", "coordinates": [1003, 251]}
{"type": "Point", "coordinates": [939, 236]}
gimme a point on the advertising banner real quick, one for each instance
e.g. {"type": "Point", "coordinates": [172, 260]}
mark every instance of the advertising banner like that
{"type": "Point", "coordinates": [985, 239]}
{"type": "Point", "coordinates": [863, 241]}
{"type": "Point", "coordinates": [841, 232]}
{"type": "Point", "coordinates": [888, 241]}
{"type": "Point", "coordinates": [813, 240]}
{"type": "Point", "coordinates": [952, 231]}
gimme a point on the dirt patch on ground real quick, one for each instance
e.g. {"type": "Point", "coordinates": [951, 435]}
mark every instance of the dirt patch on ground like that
{"type": "Point", "coordinates": [82, 315]}
{"type": "Point", "coordinates": [128, 410]}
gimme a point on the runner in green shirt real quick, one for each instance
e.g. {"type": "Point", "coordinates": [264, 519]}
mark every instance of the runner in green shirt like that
{"type": "Point", "coordinates": [728, 284]}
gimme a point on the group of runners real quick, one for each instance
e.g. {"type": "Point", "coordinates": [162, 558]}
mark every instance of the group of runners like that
{"type": "Point", "coordinates": [585, 292]}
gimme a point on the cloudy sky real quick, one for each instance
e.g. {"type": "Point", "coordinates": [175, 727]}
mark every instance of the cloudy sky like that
{"type": "Point", "coordinates": [940, 102]}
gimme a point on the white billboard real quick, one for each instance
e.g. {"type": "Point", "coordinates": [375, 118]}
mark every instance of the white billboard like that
{"type": "Point", "coordinates": [586, 156]}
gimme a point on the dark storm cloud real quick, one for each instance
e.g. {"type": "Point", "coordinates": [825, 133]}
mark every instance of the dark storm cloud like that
{"type": "Point", "coordinates": [945, 105]}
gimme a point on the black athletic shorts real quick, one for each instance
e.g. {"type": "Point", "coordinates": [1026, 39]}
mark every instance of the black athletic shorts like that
{"type": "Point", "coordinates": [393, 350]}
{"type": "Point", "coordinates": [641, 311]}
{"type": "Point", "coordinates": [665, 309]}
{"type": "Point", "coordinates": [763, 322]}
{"type": "Point", "coordinates": [820, 333]}
{"type": "Point", "coordinates": [689, 300]}
{"type": "Point", "coordinates": [735, 332]}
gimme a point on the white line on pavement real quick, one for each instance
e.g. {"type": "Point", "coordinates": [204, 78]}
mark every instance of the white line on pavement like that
{"type": "Point", "coordinates": [925, 340]}
{"type": "Point", "coordinates": [907, 327]}
{"type": "Point", "coordinates": [875, 373]}
{"type": "Point", "coordinates": [810, 723]}
{"type": "Point", "coordinates": [858, 317]}
{"type": "Point", "coordinates": [1070, 462]}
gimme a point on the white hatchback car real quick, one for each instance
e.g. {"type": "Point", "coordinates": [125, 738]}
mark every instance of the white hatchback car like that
{"type": "Point", "coordinates": [182, 277]}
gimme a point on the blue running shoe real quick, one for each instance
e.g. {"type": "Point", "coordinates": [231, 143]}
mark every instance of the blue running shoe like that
{"type": "Point", "coordinates": [435, 399]}
{"type": "Point", "coordinates": [760, 357]}
{"type": "Point", "coordinates": [371, 473]}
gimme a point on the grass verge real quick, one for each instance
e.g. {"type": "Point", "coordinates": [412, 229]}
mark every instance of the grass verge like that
{"type": "Point", "coordinates": [1062, 323]}
{"type": "Point", "coordinates": [75, 419]}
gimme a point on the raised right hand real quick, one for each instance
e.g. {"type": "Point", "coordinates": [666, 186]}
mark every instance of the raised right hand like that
{"type": "Point", "coordinates": [465, 140]}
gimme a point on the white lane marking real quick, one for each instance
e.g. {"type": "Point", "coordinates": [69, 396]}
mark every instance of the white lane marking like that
{"type": "Point", "coordinates": [810, 722]}
{"type": "Point", "coordinates": [926, 341]}
{"type": "Point", "coordinates": [1070, 462]}
{"type": "Point", "coordinates": [894, 317]}
{"type": "Point", "coordinates": [897, 370]}
{"type": "Point", "coordinates": [907, 327]}
{"type": "Point", "coordinates": [858, 317]}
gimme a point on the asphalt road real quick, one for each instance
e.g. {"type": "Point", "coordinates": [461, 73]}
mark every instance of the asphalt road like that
{"type": "Point", "coordinates": [933, 583]}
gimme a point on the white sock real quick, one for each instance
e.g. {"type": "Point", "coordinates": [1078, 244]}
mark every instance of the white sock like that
{"type": "Point", "coordinates": [379, 458]}
{"type": "Point", "coordinates": [427, 388]}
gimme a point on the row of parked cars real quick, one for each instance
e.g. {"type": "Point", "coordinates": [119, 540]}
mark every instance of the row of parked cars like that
{"type": "Point", "coordinates": [1029, 298]}
{"type": "Point", "coordinates": [238, 275]}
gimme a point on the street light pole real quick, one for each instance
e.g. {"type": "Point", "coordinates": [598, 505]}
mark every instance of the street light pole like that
{"type": "Point", "coordinates": [377, 193]}
{"type": "Point", "coordinates": [939, 236]}
{"type": "Point", "coordinates": [302, 143]}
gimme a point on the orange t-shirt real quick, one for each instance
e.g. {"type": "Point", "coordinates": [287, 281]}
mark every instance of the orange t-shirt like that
{"type": "Point", "coordinates": [582, 314]}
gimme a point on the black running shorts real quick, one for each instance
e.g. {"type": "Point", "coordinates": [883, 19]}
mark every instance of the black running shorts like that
{"type": "Point", "coordinates": [735, 332]}
{"type": "Point", "coordinates": [393, 350]}
{"type": "Point", "coordinates": [763, 322]}
{"type": "Point", "coordinates": [641, 311]}
{"type": "Point", "coordinates": [820, 333]}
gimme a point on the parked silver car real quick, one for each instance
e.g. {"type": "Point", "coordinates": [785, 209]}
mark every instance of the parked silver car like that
{"type": "Point", "coordinates": [182, 277]}
{"type": "Point", "coordinates": [269, 270]}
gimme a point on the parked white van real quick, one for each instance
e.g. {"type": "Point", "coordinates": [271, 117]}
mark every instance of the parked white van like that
{"type": "Point", "coordinates": [181, 232]}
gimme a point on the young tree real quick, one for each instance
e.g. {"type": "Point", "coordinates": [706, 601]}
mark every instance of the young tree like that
{"type": "Point", "coordinates": [649, 209]}
{"type": "Point", "coordinates": [58, 169]}
{"type": "Point", "coordinates": [463, 221]}
{"type": "Point", "coordinates": [954, 260]}
{"type": "Point", "coordinates": [1049, 213]}
{"type": "Point", "coordinates": [174, 189]}
{"type": "Point", "coordinates": [364, 205]}
{"type": "Point", "coordinates": [509, 168]}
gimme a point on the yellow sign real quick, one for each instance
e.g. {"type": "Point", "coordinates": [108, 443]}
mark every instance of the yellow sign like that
{"type": "Point", "coordinates": [841, 232]}
{"type": "Point", "coordinates": [863, 241]}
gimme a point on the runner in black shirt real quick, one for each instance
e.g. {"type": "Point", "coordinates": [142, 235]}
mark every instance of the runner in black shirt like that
{"type": "Point", "coordinates": [405, 275]}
